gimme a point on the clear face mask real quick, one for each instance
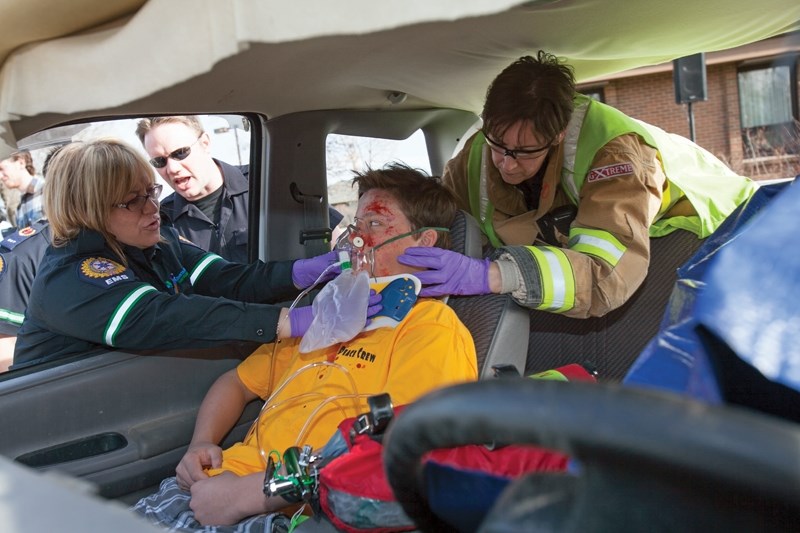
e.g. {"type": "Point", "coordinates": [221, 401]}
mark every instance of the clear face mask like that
{"type": "Point", "coordinates": [350, 246]}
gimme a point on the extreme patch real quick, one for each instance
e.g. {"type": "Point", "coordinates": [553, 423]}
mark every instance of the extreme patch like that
{"type": "Point", "coordinates": [103, 272]}
{"type": "Point", "coordinates": [609, 171]}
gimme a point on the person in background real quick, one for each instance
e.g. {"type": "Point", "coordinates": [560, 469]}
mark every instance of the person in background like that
{"type": "Point", "coordinates": [110, 278]}
{"type": "Point", "coordinates": [20, 254]}
{"type": "Point", "coordinates": [430, 348]}
{"type": "Point", "coordinates": [569, 192]}
{"type": "Point", "coordinates": [17, 172]}
{"type": "Point", "coordinates": [4, 223]}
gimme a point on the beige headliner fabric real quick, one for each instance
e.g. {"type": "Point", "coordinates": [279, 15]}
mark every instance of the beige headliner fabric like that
{"type": "Point", "coordinates": [26, 21]}
{"type": "Point", "coordinates": [316, 54]}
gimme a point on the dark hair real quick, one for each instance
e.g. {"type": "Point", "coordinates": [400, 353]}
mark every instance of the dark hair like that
{"type": "Point", "coordinates": [425, 201]}
{"type": "Point", "coordinates": [537, 90]}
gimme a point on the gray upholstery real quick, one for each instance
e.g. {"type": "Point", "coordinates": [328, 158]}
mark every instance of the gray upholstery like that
{"type": "Point", "coordinates": [497, 324]}
{"type": "Point", "coordinates": [612, 342]}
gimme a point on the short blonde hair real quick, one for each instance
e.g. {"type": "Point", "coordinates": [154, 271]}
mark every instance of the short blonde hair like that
{"type": "Point", "coordinates": [144, 126]}
{"type": "Point", "coordinates": [84, 181]}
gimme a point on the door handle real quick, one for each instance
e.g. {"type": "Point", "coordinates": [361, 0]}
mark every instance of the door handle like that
{"type": "Point", "coordinates": [73, 450]}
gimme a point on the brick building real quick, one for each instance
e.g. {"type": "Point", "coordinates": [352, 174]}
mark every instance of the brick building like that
{"type": "Point", "coordinates": [760, 139]}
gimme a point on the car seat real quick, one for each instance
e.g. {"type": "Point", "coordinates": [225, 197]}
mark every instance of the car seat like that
{"type": "Point", "coordinates": [612, 342]}
{"type": "Point", "coordinates": [498, 325]}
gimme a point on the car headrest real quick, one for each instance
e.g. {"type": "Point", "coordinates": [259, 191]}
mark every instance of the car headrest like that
{"type": "Point", "coordinates": [499, 326]}
{"type": "Point", "coordinates": [465, 235]}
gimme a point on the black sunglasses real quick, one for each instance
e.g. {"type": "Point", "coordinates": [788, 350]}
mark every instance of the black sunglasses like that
{"type": "Point", "coordinates": [178, 155]}
{"type": "Point", "coordinates": [153, 193]}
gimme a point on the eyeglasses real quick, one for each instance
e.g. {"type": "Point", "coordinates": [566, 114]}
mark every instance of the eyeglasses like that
{"type": "Point", "coordinates": [367, 225]}
{"type": "Point", "coordinates": [178, 155]}
{"type": "Point", "coordinates": [153, 193]}
{"type": "Point", "coordinates": [515, 154]}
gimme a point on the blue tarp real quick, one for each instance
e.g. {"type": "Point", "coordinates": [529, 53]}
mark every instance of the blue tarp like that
{"type": "Point", "coordinates": [737, 297]}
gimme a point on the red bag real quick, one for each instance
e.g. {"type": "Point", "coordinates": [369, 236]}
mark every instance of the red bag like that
{"type": "Point", "coordinates": [354, 493]}
{"type": "Point", "coordinates": [356, 497]}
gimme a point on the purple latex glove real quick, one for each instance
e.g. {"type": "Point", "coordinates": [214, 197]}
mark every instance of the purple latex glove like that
{"type": "Point", "coordinates": [306, 271]}
{"type": "Point", "coordinates": [374, 305]}
{"type": "Point", "coordinates": [300, 319]}
{"type": "Point", "coordinates": [448, 272]}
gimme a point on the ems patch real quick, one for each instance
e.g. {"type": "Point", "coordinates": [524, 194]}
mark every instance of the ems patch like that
{"type": "Point", "coordinates": [609, 171]}
{"type": "Point", "coordinates": [103, 272]}
{"type": "Point", "coordinates": [18, 237]}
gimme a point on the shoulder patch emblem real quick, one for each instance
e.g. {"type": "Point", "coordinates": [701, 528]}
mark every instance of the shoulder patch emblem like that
{"type": "Point", "coordinates": [609, 171]}
{"type": "Point", "coordinates": [2, 266]}
{"type": "Point", "coordinates": [187, 241]}
{"type": "Point", "coordinates": [103, 272]}
{"type": "Point", "coordinates": [18, 236]}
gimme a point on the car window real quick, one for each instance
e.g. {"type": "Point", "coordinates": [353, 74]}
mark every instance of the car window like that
{"type": "Point", "coordinates": [230, 139]}
{"type": "Point", "coordinates": [230, 143]}
{"type": "Point", "coordinates": [347, 153]}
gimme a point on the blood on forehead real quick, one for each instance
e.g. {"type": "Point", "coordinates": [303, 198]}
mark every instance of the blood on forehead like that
{"type": "Point", "coordinates": [378, 207]}
{"type": "Point", "coordinates": [382, 206]}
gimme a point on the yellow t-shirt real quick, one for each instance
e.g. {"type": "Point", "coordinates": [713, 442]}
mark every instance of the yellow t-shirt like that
{"type": "Point", "coordinates": [430, 348]}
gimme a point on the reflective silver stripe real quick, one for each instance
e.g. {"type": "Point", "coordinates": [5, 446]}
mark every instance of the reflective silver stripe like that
{"type": "Point", "coordinates": [484, 194]}
{"type": "Point", "coordinates": [202, 266]}
{"type": "Point", "coordinates": [558, 281]}
{"type": "Point", "coordinates": [598, 243]}
{"type": "Point", "coordinates": [571, 150]}
{"type": "Point", "coordinates": [118, 317]}
{"type": "Point", "coordinates": [558, 285]}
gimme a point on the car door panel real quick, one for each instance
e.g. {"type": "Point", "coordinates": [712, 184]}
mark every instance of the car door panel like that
{"type": "Point", "coordinates": [119, 420]}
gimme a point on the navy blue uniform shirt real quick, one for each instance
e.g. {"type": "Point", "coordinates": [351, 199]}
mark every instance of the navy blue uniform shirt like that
{"type": "Point", "coordinates": [229, 237]}
{"type": "Point", "coordinates": [20, 253]}
{"type": "Point", "coordinates": [174, 295]}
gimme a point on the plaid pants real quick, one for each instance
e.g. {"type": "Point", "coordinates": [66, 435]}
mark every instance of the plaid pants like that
{"type": "Point", "coordinates": [169, 508]}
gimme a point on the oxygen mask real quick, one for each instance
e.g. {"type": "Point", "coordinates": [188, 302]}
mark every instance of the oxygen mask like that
{"type": "Point", "coordinates": [350, 249]}
{"type": "Point", "coordinates": [352, 243]}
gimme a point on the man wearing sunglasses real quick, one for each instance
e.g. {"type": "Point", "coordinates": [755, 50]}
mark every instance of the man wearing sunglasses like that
{"type": "Point", "coordinates": [569, 192]}
{"type": "Point", "coordinates": [209, 206]}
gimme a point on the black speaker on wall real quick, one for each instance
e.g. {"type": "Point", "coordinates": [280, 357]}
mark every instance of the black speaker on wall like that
{"type": "Point", "coordinates": [689, 74]}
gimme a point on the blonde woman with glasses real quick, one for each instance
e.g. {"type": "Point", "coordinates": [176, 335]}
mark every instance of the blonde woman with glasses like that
{"type": "Point", "coordinates": [115, 278]}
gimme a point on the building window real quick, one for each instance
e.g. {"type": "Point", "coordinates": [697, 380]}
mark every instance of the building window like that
{"type": "Point", "coordinates": [595, 93]}
{"type": "Point", "coordinates": [768, 109]}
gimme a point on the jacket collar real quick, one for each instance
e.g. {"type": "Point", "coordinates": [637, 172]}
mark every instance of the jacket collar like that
{"type": "Point", "coordinates": [90, 242]}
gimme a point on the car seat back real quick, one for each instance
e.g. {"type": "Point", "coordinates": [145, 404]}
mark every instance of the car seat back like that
{"type": "Point", "coordinates": [612, 342]}
{"type": "Point", "coordinates": [498, 325]}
